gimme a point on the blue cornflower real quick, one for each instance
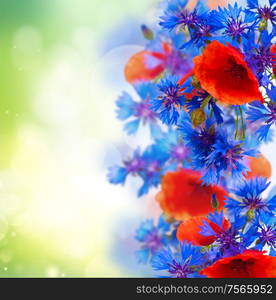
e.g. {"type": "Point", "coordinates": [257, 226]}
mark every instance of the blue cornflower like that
{"type": "Point", "coordinates": [262, 233]}
{"type": "Point", "coordinates": [262, 13]}
{"type": "Point", "coordinates": [154, 160]}
{"type": "Point", "coordinates": [167, 55]}
{"type": "Point", "coordinates": [249, 198]}
{"type": "Point", "coordinates": [177, 62]}
{"type": "Point", "coordinates": [170, 100]}
{"type": "Point", "coordinates": [263, 58]}
{"type": "Point", "coordinates": [258, 55]}
{"type": "Point", "coordinates": [174, 146]}
{"type": "Point", "coordinates": [229, 240]}
{"type": "Point", "coordinates": [181, 264]}
{"type": "Point", "coordinates": [218, 113]}
{"type": "Point", "coordinates": [147, 32]}
{"type": "Point", "coordinates": [140, 111]}
{"type": "Point", "coordinates": [198, 140]}
{"type": "Point", "coordinates": [213, 151]}
{"type": "Point", "coordinates": [271, 93]}
{"type": "Point", "coordinates": [232, 20]}
{"type": "Point", "coordinates": [265, 113]}
{"type": "Point", "coordinates": [152, 238]}
{"type": "Point", "coordinates": [200, 35]}
{"type": "Point", "coordinates": [176, 15]}
{"type": "Point", "coordinates": [148, 166]}
{"type": "Point", "coordinates": [226, 157]}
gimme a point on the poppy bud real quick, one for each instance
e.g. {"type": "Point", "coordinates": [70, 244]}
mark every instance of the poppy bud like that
{"type": "Point", "coordinates": [147, 32]}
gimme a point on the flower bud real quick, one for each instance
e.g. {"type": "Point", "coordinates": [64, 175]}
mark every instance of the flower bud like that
{"type": "Point", "coordinates": [198, 116]}
{"type": "Point", "coordinates": [147, 33]}
{"type": "Point", "coordinates": [214, 202]}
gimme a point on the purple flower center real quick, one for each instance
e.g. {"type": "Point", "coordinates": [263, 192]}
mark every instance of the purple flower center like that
{"type": "Point", "coordinates": [177, 63]}
{"type": "Point", "coordinates": [171, 97]}
{"type": "Point", "coordinates": [228, 242]}
{"type": "Point", "coordinates": [179, 152]}
{"type": "Point", "coordinates": [267, 13]}
{"type": "Point", "coordinates": [202, 30]}
{"type": "Point", "coordinates": [152, 168]}
{"type": "Point", "coordinates": [268, 235]}
{"type": "Point", "coordinates": [236, 70]}
{"type": "Point", "coordinates": [153, 240]}
{"type": "Point", "coordinates": [207, 138]}
{"type": "Point", "coordinates": [187, 18]}
{"type": "Point", "coordinates": [179, 270]}
{"type": "Point", "coordinates": [235, 28]}
{"type": "Point", "coordinates": [134, 165]}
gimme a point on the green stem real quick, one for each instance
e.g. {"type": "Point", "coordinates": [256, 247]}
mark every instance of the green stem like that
{"type": "Point", "coordinates": [206, 101]}
{"type": "Point", "coordinates": [242, 123]}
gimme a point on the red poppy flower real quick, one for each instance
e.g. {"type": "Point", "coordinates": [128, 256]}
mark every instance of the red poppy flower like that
{"type": "Point", "coordinates": [273, 51]}
{"type": "Point", "coordinates": [249, 264]}
{"type": "Point", "coordinates": [183, 195]}
{"type": "Point", "coordinates": [223, 73]}
{"type": "Point", "coordinates": [259, 166]}
{"type": "Point", "coordinates": [189, 231]}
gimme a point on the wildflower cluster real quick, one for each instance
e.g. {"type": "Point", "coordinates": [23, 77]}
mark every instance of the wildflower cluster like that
{"type": "Point", "coordinates": [206, 84]}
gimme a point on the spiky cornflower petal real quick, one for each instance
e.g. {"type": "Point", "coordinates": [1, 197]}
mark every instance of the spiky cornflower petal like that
{"type": "Point", "coordinates": [170, 100]}
{"type": "Point", "coordinates": [262, 13]}
{"type": "Point", "coordinates": [152, 238]}
{"type": "Point", "coordinates": [249, 197]}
